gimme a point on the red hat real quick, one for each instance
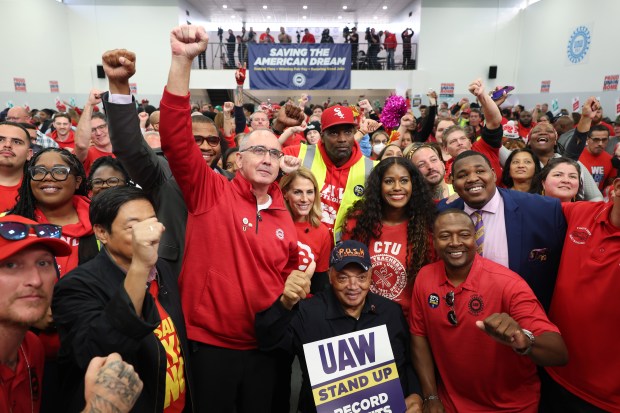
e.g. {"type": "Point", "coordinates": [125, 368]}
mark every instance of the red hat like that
{"type": "Point", "coordinates": [337, 115]}
{"type": "Point", "coordinates": [7, 247]}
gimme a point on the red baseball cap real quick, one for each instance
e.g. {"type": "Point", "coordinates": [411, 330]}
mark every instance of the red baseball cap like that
{"type": "Point", "coordinates": [337, 115]}
{"type": "Point", "coordinates": [7, 247]}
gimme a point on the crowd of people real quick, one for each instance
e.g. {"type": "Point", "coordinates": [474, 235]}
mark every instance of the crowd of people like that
{"type": "Point", "coordinates": [178, 258]}
{"type": "Point", "coordinates": [371, 40]}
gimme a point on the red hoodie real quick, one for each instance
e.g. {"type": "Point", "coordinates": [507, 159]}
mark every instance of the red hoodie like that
{"type": "Point", "coordinates": [335, 181]}
{"type": "Point", "coordinates": [236, 260]}
{"type": "Point", "coordinates": [68, 144]}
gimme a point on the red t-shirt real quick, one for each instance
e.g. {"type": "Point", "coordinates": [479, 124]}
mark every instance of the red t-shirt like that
{"type": "Point", "coordinates": [388, 255]}
{"type": "Point", "coordinates": [174, 402]}
{"type": "Point", "coordinates": [599, 166]}
{"type": "Point", "coordinates": [584, 306]}
{"type": "Point", "coordinates": [20, 390]}
{"type": "Point", "coordinates": [317, 241]}
{"type": "Point", "coordinates": [525, 131]}
{"type": "Point", "coordinates": [92, 156]}
{"type": "Point", "coordinates": [7, 196]}
{"type": "Point", "coordinates": [308, 38]}
{"type": "Point", "coordinates": [476, 373]}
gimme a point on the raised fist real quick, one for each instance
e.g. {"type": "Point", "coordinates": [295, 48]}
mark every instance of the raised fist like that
{"type": "Point", "coordinates": [240, 74]}
{"type": "Point", "coordinates": [188, 41]}
{"type": "Point", "coordinates": [476, 88]}
{"type": "Point", "coordinates": [119, 65]}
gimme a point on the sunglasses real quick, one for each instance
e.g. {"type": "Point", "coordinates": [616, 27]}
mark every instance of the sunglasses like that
{"type": "Point", "coordinates": [15, 231]}
{"type": "Point", "coordinates": [211, 140]}
{"type": "Point", "coordinates": [451, 314]}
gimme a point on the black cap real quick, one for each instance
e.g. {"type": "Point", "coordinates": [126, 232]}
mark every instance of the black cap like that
{"type": "Point", "coordinates": [350, 252]}
{"type": "Point", "coordinates": [313, 126]}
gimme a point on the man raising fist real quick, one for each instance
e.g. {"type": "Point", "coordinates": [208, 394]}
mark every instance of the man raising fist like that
{"type": "Point", "coordinates": [241, 245]}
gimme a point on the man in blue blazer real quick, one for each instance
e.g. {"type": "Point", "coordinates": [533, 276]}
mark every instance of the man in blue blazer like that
{"type": "Point", "coordinates": [521, 231]}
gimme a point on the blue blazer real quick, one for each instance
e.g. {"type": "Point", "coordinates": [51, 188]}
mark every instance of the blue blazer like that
{"type": "Point", "coordinates": [535, 227]}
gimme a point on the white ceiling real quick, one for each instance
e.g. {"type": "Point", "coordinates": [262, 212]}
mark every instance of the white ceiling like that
{"type": "Point", "coordinates": [292, 11]}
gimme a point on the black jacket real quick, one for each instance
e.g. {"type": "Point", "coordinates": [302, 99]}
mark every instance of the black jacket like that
{"type": "Point", "coordinates": [321, 317]}
{"type": "Point", "coordinates": [149, 169]}
{"type": "Point", "coordinates": [95, 317]}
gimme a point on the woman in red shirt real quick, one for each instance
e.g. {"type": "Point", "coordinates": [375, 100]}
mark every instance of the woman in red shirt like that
{"type": "Point", "coordinates": [301, 194]}
{"type": "Point", "coordinates": [396, 225]}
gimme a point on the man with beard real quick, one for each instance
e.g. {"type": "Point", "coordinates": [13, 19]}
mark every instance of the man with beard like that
{"type": "Point", "coordinates": [337, 163]}
{"type": "Point", "coordinates": [428, 161]}
{"type": "Point", "coordinates": [19, 114]}
{"type": "Point", "coordinates": [147, 167]}
{"type": "Point", "coordinates": [63, 133]}
{"type": "Point", "coordinates": [14, 153]}
{"type": "Point", "coordinates": [525, 124]}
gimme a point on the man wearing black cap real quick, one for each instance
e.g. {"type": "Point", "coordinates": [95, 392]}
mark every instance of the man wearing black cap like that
{"type": "Point", "coordinates": [348, 306]}
{"type": "Point", "coordinates": [27, 275]}
{"type": "Point", "coordinates": [337, 163]}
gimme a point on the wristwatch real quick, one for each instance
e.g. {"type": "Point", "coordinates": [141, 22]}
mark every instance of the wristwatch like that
{"type": "Point", "coordinates": [528, 349]}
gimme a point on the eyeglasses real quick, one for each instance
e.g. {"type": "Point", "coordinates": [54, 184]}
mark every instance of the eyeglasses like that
{"type": "Point", "coordinates": [451, 314]}
{"type": "Point", "coordinates": [99, 128]}
{"type": "Point", "coordinates": [58, 173]}
{"type": "Point", "coordinates": [344, 279]}
{"type": "Point", "coordinates": [335, 133]}
{"type": "Point", "coordinates": [15, 231]}
{"type": "Point", "coordinates": [261, 151]}
{"type": "Point", "coordinates": [111, 182]}
{"type": "Point", "coordinates": [211, 140]}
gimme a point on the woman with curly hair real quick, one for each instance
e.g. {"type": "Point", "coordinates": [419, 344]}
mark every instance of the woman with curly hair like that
{"type": "Point", "coordinates": [394, 218]}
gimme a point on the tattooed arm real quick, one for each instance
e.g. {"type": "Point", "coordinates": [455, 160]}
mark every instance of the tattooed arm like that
{"type": "Point", "coordinates": [111, 385]}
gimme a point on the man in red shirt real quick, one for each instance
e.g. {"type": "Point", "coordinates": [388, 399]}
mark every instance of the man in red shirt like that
{"type": "Point", "coordinates": [93, 126]}
{"type": "Point", "coordinates": [596, 159]}
{"type": "Point", "coordinates": [525, 125]}
{"type": "Point", "coordinates": [584, 308]}
{"type": "Point", "coordinates": [63, 133]}
{"type": "Point", "coordinates": [389, 42]}
{"type": "Point", "coordinates": [266, 37]}
{"type": "Point", "coordinates": [14, 153]}
{"type": "Point", "coordinates": [463, 291]}
{"type": "Point", "coordinates": [244, 220]}
{"type": "Point", "coordinates": [308, 37]}
{"type": "Point", "coordinates": [27, 276]}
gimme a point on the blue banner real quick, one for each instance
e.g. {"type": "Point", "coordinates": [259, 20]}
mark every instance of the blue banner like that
{"type": "Point", "coordinates": [300, 66]}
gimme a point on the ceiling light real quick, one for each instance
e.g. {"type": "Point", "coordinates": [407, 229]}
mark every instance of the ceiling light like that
{"type": "Point", "coordinates": [384, 7]}
{"type": "Point", "coordinates": [224, 6]}
{"type": "Point", "coordinates": [303, 17]}
{"type": "Point", "coordinates": [232, 17]}
{"type": "Point", "coordinates": [264, 7]}
{"type": "Point", "coordinates": [305, 7]}
{"type": "Point", "coordinates": [344, 7]}
{"type": "Point", "coordinates": [269, 17]}
{"type": "Point", "coordinates": [375, 17]}
{"type": "Point", "coordinates": [339, 17]}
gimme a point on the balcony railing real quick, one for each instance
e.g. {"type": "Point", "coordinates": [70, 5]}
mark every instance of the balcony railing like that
{"type": "Point", "coordinates": [368, 57]}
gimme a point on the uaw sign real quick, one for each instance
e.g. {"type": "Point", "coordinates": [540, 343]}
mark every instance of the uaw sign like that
{"type": "Point", "coordinates": [300, 66]}
{"type": "Point", "coordinates": [355, 372]}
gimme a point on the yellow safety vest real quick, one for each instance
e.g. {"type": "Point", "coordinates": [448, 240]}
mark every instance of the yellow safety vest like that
{"type": "Point", "coordinates": [356, 181]}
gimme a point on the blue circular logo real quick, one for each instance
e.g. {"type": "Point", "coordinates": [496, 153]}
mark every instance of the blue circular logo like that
{"type": "Point", "coordinates": [578, 44]}
{"type": "Point", "coordinates": [299, 79]}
